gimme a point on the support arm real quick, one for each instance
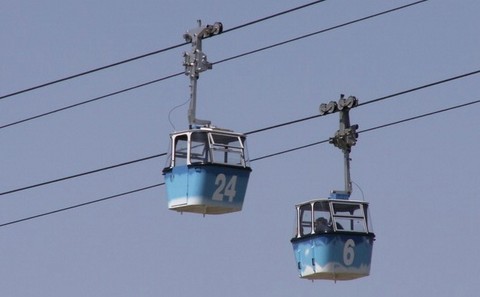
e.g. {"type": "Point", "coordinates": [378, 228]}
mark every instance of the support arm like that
{"type": "Point", "coordinates": [196, 62]}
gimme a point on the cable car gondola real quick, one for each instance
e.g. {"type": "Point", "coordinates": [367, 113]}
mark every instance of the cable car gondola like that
{"type": "Point", "coordinates": [333, 237]}
{"type": "Point", "coordinates": [207, 172]}
{"type": "Point", "coordinates": [207, 169]}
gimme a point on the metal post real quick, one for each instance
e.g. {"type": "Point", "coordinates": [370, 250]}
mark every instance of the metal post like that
{"type": "Point", "coordinates": [348, 180]}
{"type": "Point", "coordinates": [196, 62]}
{"type": "Point", "coordinates": [344, 125]}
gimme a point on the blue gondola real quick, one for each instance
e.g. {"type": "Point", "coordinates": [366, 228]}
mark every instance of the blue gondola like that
{"type": "Point", "coordinates": [207, 172]}
{"type": "Point", "coordinates": [207, 169]}
{"type": "Point", "coordinates": [333, 237]}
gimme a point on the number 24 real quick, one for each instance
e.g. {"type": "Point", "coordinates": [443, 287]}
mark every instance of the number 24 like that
{"type": "Point", "coordinates": [225, 188]}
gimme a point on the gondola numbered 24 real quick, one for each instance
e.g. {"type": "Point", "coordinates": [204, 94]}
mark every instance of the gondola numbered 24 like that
{"type": "Point", "coordinates": [207, 168]}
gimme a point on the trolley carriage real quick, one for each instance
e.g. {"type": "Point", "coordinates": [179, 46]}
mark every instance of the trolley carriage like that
{"type": "Point", "coordinates": [333, 239]}
{"type": "Point", "coordinates": [207, 171]}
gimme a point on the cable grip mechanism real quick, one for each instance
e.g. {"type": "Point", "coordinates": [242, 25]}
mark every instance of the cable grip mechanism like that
{"type": "Point", "coordinates": [345, 137]}
{"type": "Point", "coordinates": [195, 62]}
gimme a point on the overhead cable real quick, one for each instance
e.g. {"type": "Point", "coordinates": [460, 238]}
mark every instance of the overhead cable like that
{"type": "Point", "coordinates": [250, 132]}
{"type": "Point", "coordinates": [320, 31]}
{"type": "Point", "coordinates": [90, 100]}
{"type": "Point", "coordinates": [289, 150]}
{"type": "Point", "coordinates": [82, 174]}
{"type": "Point", "coordinates": [150, 54]}
{"type": "Point", "coordinates": [421, 116]}
{"type": "Point", "coordinates": [371, 129]}
{"type": "Point", "coordinates": [252, 160]}
{"type": "Point", "coordinates": [80, 205]}
{"type": "Point", "coordinates": [214, 63]}
{"type": "Point", "coordinates": [371, 101]}
{"type": "Point", "coordinates": [273, 16]}
{"type": "Point", "coordinates": [87, 72]}
{"type": "Point", "coordinates": [420, 87]}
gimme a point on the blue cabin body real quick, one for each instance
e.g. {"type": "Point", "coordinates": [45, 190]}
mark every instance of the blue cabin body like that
{"type": "Point", "coordinates": [207, 171]}
{"type": "Point", "coordinates": [333, 239]}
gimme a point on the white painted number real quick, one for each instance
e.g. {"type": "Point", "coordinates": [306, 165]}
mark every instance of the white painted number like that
{"type": "Point", "coordinates": [349, 252]}
{"type": "Point", "coordinates": [225, 188]}
{"type": "Point", "coordinates": [230, 191]}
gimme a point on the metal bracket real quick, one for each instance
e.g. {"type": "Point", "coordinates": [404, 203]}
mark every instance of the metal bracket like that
{"type": "Point", "coordinates": [346, 137]}
{"type": "Point", "coordinates": [196, 62]}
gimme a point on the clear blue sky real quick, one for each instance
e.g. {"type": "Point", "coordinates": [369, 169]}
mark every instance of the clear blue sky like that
{"type": "Point", "coordinates": [421, 177]}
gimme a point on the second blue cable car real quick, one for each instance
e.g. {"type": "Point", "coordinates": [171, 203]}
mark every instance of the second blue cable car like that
{"type": "Point", "coordinates": [333, 237]}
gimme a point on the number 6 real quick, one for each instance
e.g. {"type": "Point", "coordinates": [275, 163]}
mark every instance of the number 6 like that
{"type": "Point", "coordinates": [349, 252]}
